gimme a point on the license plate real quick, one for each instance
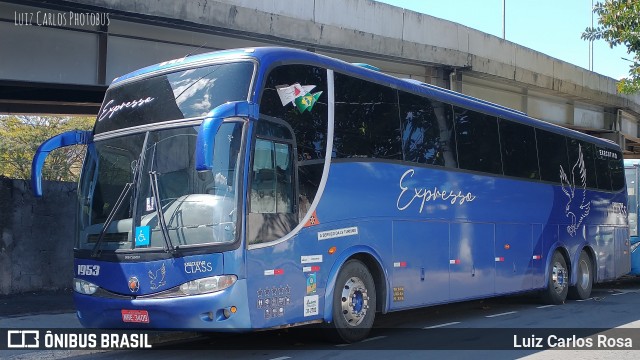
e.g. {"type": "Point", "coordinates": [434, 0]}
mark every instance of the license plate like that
{"type": "Point", "coordinates": [135, 316]}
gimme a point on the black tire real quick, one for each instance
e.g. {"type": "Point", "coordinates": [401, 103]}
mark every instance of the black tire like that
{"type": "Point", "coordinates": [558, 281]}
{"type": "Point", "coordinates": [582, 289]}
{"type": "Point", "coordinates": [354, 303]}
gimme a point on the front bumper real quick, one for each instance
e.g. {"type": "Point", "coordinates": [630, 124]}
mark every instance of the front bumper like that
{"type": "Point", "coordinates": [197, 312]}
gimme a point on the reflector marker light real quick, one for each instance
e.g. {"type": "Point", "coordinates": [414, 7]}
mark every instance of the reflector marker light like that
{"type": "Point", "coordinates": [537, 257]}
{"type": "Point", "coordinates": [400, 264]}
{"type": "Point", "coordinates": [499, 259]}
{"type": "Point", "coordinates": [454, 261]}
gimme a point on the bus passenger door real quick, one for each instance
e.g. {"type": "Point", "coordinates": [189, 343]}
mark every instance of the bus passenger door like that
{"type": "Point", "coordinates": [471, 264]}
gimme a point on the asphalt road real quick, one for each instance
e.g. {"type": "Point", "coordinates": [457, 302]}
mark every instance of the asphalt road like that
{"type": "Point", "coordinates": [500, 328]}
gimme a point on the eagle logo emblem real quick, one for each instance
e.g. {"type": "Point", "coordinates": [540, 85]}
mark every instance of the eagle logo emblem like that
{"type": "Point", "coordinates": [575, 183]}
{"type": "Point", "coordinates": [157, 278]}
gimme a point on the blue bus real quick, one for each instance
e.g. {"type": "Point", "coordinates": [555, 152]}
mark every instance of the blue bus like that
{"type": "Point", "coordinates": [271, 187]}
{"type": "Point", "coordinates": [631, 168]}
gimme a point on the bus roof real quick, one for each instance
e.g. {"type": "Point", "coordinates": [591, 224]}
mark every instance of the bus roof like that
{"type": "Point", "coordinates": [272, 56]}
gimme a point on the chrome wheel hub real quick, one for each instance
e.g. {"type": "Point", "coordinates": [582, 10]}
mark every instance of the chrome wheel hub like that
{"type": "Point", "coordinates": [355, 301]}
{"type": "Point", "coordinates": [559, 277]}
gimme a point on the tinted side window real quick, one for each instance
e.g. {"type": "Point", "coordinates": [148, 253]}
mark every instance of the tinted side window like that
{"type": "Point", "coordinates": [519, 152]}
{"type": "Point", "coordinates": [552, 152]}
{"type": "Point", "coordinates": [271, 190]}
{"type": "Point", "coordinates": [477, 141]}
{"type": "Point", "coordinates": [577, 147]}
{"type": "Point", "coordinates": [617, 172]}
{"type": "Point", "coordinates": [603, 171]}
{"type": "Point", "coordinates": [309, 124]}
{"type": "Point", "coordinates": [427, 126]}
{"type": "Point", "coordinates": [366, 120]}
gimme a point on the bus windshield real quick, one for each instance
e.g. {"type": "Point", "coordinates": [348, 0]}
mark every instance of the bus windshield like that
{"type": "Point", "coordinates": [169, 203]}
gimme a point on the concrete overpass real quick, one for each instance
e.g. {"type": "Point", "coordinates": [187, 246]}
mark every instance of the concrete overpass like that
{"type": "Point", "coordinates": [52, 62]}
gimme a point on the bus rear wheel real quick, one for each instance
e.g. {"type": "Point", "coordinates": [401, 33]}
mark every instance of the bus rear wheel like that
{"type": "Point", "coordinates": [354, 303]}
{"type": "Point", "coordinates": [582, 290]}
{"type": "Point", "coordinates": [558, 281]}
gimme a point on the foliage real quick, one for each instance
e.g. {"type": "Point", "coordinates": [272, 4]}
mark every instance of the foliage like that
{"type": "Point", "coordinates": [618, 24]}
{"type": "Point", "coordinates": [20, 137]}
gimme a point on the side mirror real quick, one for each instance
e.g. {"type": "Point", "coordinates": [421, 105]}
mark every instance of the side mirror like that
{"type": "Point", "coordinates": [73, 137]}
{"type": "Point", "coordinates": [211, 124]}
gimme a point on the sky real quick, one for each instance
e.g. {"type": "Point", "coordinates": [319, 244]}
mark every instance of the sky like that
{"type": "Point", "coordinates": [552, 27]}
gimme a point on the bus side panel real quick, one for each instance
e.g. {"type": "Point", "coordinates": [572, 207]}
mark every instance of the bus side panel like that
{"type": "Point", "coordinates": [537, 257]}
{"type": "Point", "coordinates": [276, 283]}
{"type": "Point", "coordinates": [513, 257]}
{"type": "Point", "coordinates": [622, 258]}
{"type": "Point", "coordinates": [471, 264]}
{"type": "Point", "coordinates": [602, 241]}
{"type": "Point", "coordinates": [287, 282]}
{"type": "Point", "coordinates": [420, 263]}
{"type": "Point", "coordinates": [550, 240]}
{"type": "Point", "coordinates": [635, 256]}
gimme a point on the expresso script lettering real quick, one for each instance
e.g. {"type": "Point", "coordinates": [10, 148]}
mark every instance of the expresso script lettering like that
{"type": "Point", "coordinates": [108, 111]}
{"type": "Point", "coordinates": [424, 195]}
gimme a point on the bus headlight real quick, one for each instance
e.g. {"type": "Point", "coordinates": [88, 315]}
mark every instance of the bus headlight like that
{"type": "Point", "coordinates": [208, 284]}
{"type": "Point", "coordinates": [84, 287]}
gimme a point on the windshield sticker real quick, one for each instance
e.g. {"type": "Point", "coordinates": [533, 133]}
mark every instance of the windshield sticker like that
{"type": "Point", "coordinates": [298, 95]}
{"type": "Point", "coordinates": [156, 278]}
{"type": "Point", "coordinates": [143, 235]}
{"type": "Point", "coordinates": [311, 283]}
{"type": "Point", "coordinates": [427, 195]}
{"type": "Point", "coordinates": [108, 112]}
{"type": "Point", "coordinates": [575, 211]}
{"type": "Point", "coordinates": [330, 234]}
{"type": "Point", "coordinates": [150, 204]}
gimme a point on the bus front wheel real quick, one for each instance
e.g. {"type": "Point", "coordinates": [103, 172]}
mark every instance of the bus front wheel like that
{"type": "Point", "coordinates": [354, 302]}
{"type": "Point", "coordinates": [558, 281]}
{"type": "Point", "coordinates": [582, 290]}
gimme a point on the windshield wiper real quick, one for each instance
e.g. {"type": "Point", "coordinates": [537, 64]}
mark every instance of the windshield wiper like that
{"type": "Point", "coordinates": [112, 214]}
{"type": "Point", "coordinates": [153, 180]}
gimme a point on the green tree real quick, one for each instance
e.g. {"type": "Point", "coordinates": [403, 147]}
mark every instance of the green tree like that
{"type": "Point", "coordinates": [619, 23]}
{"type": "Point", "coordinates": [20, 137]}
